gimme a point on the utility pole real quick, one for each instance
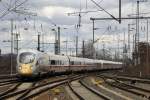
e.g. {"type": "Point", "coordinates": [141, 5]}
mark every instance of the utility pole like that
{"type": "Point", "coordinates": [104, 51]}
{"type": "Point", "coordinates": [42, 43]}
{"type": "Point", "coordinates": [79, 23]}
{"type": "Point", "coordinates": [119, 11]}
{"type": "Point", "coordinates": [129, 40]}
{"type": "Point", "coordinates": [118, 47]}
{"type": "Point", "coordinates": [38, 48]}
{"type": "Point", "coordinates": [124, 52]}
{"type": "Point", "coordinates": [147, 57]}
{"type": "Point", "coordinates": [76, 46]}
{"type": "Point", "coordinates": [93, 21]}
{"type": "Point", "coordinates": [93, 30]}
{"type": "Point", "coordinates": [83, 49]}
{"type": "Point", "coordinates": [129, 37]}
{"type": "Point", "coordinates": [42, 39]}
{"type": "Point", "coordinates": [133, 49]}
{"type": "Point", "coordinates": [137, 35]}
{"type": "Point", "coordinates": [17, 42]}
{"type": "Point", "coordinates": [58, 40]}
{"type": "Point", "coordinates": [11, 56]}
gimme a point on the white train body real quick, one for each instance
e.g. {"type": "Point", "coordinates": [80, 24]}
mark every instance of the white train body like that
{"type": "Point", "coordinates": [32, 63]}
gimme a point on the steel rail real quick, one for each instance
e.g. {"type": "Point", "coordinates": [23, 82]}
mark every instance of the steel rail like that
{"type": "Point", "coordinates": [126, 78]}
{"type": "Point", "coordinates": [58, 83]}
{"type": "Point", "coordinates": [24, 91]}
{"type": "Point", "coordinates": [103, 96]}
{"type": "Point", "coordinates": [79, 96]}
{"type": "Point", "coordinates": [120, 85]}
{"type": "Point", "coordinates": [10, 90]}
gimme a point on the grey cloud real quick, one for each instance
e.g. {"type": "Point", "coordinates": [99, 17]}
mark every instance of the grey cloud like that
{"type": "Point", "coordinates": [61, 19]}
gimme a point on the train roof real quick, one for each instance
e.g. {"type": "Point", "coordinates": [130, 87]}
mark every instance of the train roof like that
{"type": "Point", "coordinates": [76, 59]}
{"type": "Point", "coordinates": [112, 62]}
{"type": "Point", "coordinates": [29, 50]}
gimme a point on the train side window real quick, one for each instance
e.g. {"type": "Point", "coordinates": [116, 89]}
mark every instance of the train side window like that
{"type": "Point", "coordinates": [49, 61]}
{"type": "Point", "coordinates": [53, 62]}
{"type": "Point", "coordinates": [79, 63]}
{"type": "Point", "coordinates": [60, 62]}
{"type": "Point", "coordinates": [72, 62]}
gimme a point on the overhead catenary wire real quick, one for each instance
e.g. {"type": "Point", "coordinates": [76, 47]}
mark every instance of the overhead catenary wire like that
{"type": "Point", "coordinates": [11, 9]}
{"type": "Point", "coordinates": [83, 12]}
{"type": "Point", "coordinates": [104, 10]}
{"type": "Point", "coordinates": [5, 4]}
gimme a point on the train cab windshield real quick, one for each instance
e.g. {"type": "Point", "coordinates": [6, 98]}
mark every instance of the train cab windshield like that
{"type": "Point", "coordinates": [26, 57]}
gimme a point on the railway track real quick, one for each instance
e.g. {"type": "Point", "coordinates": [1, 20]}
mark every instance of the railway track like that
{"type": "Point", "coordinates": [34, 89]}
{"type": "Point", "coordinates": [103, 96]}
{"type": "Point", "coordinates": [8, 76]}
{"type": "Point", "coordinates": [14, 92]}
{"type": "Point", "coordinates": [114, 94]}
{"type": "Point", "coordinates": [9, 81]}
{"type": "Point", "coordinates": [96, 95]}
{"type": "Point", "coordinates": [132, 89]}
{"type": "Point", "coordinates": [141, 92]}
{"type": "Point", "coordinates": [40, 86]}
{"type": "Point", "coordinates": [11, 89]}
{"type": "Point", "coordinates": [123, 78]}
{"type": "Point", "coordinates": [77, 94]}
{"type": "Point", "coordinates": [26, 92]}
{"type": "Point", "coordinates": [106, 92]}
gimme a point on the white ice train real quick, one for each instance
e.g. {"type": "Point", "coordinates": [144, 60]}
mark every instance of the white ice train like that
{"type": "Point", "coordinates": [32, 63]}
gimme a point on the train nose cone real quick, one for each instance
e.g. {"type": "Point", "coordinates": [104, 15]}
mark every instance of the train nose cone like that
{"type": "Point", "coordinates": [26, 70]}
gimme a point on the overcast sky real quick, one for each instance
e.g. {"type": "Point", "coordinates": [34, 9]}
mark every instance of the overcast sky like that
{"type": "Point", "coordinates": [50, 12]}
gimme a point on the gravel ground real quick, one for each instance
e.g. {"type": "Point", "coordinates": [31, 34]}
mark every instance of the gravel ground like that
{"type": "Point", "coordinates": [6, 87]}
{"type": "Point", "coordinates": [58, 93]}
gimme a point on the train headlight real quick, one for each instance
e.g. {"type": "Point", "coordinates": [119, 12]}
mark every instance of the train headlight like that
{"type": "Point", "coordinates": [20, 68]}
{"type": "Point", "coordinates": [31, 67]}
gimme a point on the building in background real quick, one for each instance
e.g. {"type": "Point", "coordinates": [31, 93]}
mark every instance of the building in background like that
{"type": "Point", "coordinates": [142, 69]}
